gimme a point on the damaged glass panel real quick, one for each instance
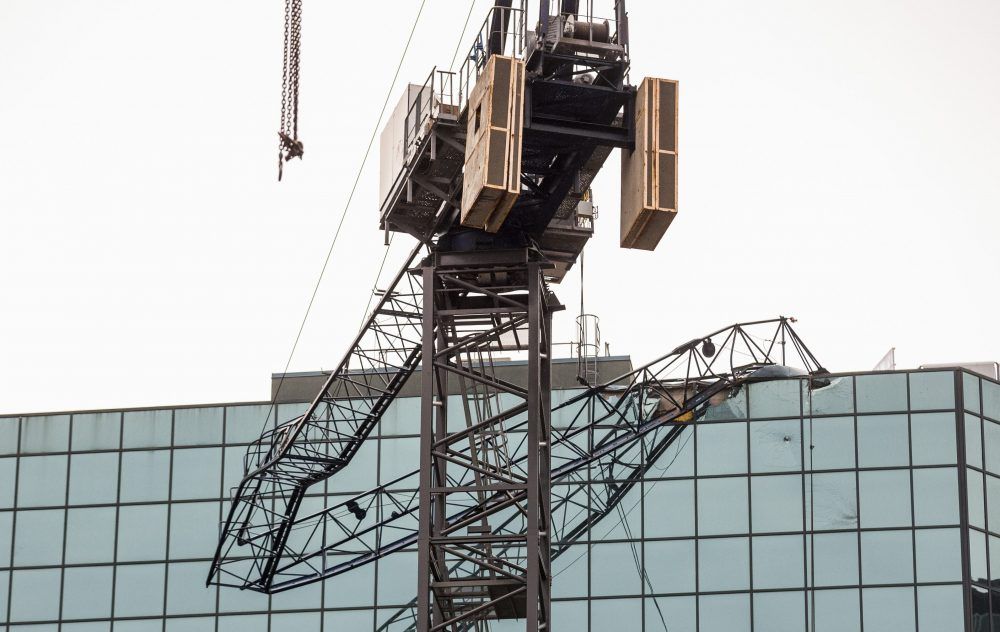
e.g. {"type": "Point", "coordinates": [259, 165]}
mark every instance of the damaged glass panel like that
{"type": "Point", "coordinates": [829, 396]}
{"type": "Point", "coordinates": [777, 398]}
{"type": "Point", "coordinates": [830, 443]}
{"type": "Point", "coordinates": [776, 446]}
{"type": "Point", "coordinates": [831, 501]}
{"type": "Point", "coordinates": [730, 405]}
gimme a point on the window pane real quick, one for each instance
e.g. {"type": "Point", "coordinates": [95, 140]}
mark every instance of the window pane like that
{"type": "Point", "coordinates": [837, 611]}
{"type": "Point", "coordinates": [889, 609]}
{"type": "Point", "coordinates": [722, 506]}
{"type": "Point", "coordinates": [991, 400]}
{"type": "Point", "coordinates": [977, 496]}
{"type": "Point", "coordinates": [196, 624]}
{"type": "Point", "coordinates": [8, 475]}
{"type": "Point", "coordinates": [397, 575]}
{"type": "Point", "coordinates": [87, 592]}
{"type": "Point", "coordinates": [836, 559]}
{"type": "Point", "coordinates": [198, 426]}
{"type": "Point", "coordinates": [611, 614]}
{"type": "Point", "coordinates": [881, 393]}
{"type": "Point", "coordinates": [399, 456]}
{"type": "Point", "coordinates": [356, 589]}
{"type": "Point", "coordinates": [194, 530]}
{"type": "Point", "coordinates": [669, 508]}
{"type": "Point", "coordinates": [885, 499]}
{"type": "Point", "coordinates": [977, 556]}
{"type": "Point", "coordinates": [970, 387]}
{"type": "Point", "coordinates": [308, 597]}
{"type": "Point", "coordinates": [775, 398]}
{"type": "Point", "coordinates": [724, 564]}
{"type": "Point", "coordinates": [98, 626]}
{"type": "Point", "coordinates": [777, 561]}
{"type": "Point", "coordinates": [353, 619]}
{"type": "Point", "coordinates": [34, 595]}
{"type": "Point", "coordinates": [940, 608]}
{"type": "Point", "coordinates": [145, 476]}
{"type": "Point", "coordinates": [4, 585]}
{"type": "Point", "coordinates": [939, 555]}
{"type": "Point", "coordinates": [8, 435]}
{"type": "Point", "coordinates": [777, 503]}
{"type": "Point", "coordinates": [361, 473]}
{"type": "Point", "coordinates": [991, 439]}
{"type": "Point", "coordinates": [993, 503]}
{"type": "Point", "coordinates": [935, 496]}
{"type": "Point", "coordinates": [45, 434]}
{"type": "Point", "coordinates": [722, 448]}
{"type": "Point", "coordinates": [41, 481]}
{"type": "Point", "coordinates": [833, 500]}
{"type": "Point", "coordinates": [973, 440]}
{"type": "Point", "coordinates": [93, 478]}
{"type": "Point", "coordinates": [296, 621]}
{"type": "Point", "coordinates": [678, 459]}
{"type": "Point", "coordinates": [147, 429]}
{"type": "Point", "coordinates": [142, 533]}
{"type": "Point", "coordinates": [197, 473]}
{"type": "Point", "coordinates": [886, 558]}
{"type": "Point", "coordinates": [670, 566]}
{"type": "Point", "coordinates": [779, 611]}
{"type": "Point", "coordinates": [39, 536]}
{"type": "Point", "coordinates": [728, 613]}
{"type": "Point", "coordinates": [243, 623]}
{"type": "Point", "coordinates": [883, 441]}
{"type": "Point", "coordinates": [734, 406]}
{"type": "Point", "coordinates": [96, 431]}
{"type": "Point", "coordinates": [934, 438]}
{"type": "Point", "coordinates": [663, 614]}
{"type": "Point", "coordinates": [139, 590]}
{"type": "Point", "coordinates": [830, 397]}
{"type": "Point", "coordinates": [186, 590]}
{"type": "Point", "coordinates": [6, 538]}
{"type": "Point", "coordinates": [613, 570]}
{"type": "Point", "coordinates": [832, 445]}
{"type": "Point", "coordinates": [932, 391]}
{"type": "Point", "coordinates": [90, 535]}
{"type": "Point", "coordinates": [776, 446]}
{"type": "Point", "coordinates": [244, 423]}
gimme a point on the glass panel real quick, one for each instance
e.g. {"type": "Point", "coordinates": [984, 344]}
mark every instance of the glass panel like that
{"type": "Point", "coordinates": [194, 530]}
{"type": "Point", "coordinates": [776, 446]}
{"type": "Point", "coordinates": [243, 623]}
{"type": "Point", "coordinates": [242, 601]}
{"type": "Point", "coordinates": [308, 597]}
{"type": "Point", "coordinates": [831, 500]}
{"type": "Point", "coordinates": [835, 558]}
{"type": "Point", "coordinates": [724, 613]}
{"type": "Point", "coordinates": [778, 562]}
{"type": "Point", "coordinates": [994, 555]}
{"type": "Point", "coordinates": [666, 614]}
{"type": "Point", "coordinates": [232, 469]}
{"type": "Point", "coordinates": [613, 569]}
{"type": "Point", "coordinates": [991, 439]}
{"type": "Point", "coordinates": [980, 609]}
{"type": "Point", "coordinates": [147, 429]}
{"type": "Point", "coordinates": [398, 457]}
{"type": "Point", "coordinates": [100, 626]}
{"type": "Point", "coordinates": [889, 609]}
{"type": "Point", "coordinates": [8, 435]}
{"type": "Point", "coordinates": [8, 475]}
{"type": "Point", "coordinates": [245, 423]}
{"type": "Point", "coordinates": [4, 586]}
{"type": "Point", "coordinates": [678, 459]}
{"type": "Point", "coordinates": [90, 535]}
{"type": "Point", "coordinates": [939, 555]}
{"type": "Point", "coordinates": [6, 538]}
{"type": "Point", "coordinates": [723, 564]}
{"type": "Point", "coordinates": [973, 440]}
{"type": "Point", "coordinates": [45, 434]}
{"type": "Point", "coordinates": [932, 391]}
{"type": "Point", "coordinates": [195, 624]}
{"type": "Point", "coordinates": [403, 417]}
{"type": "Point", "coordinates": [935, 496]}
{"type": "Point", "coordinates": [145, 476]}
{"type": "Point", "coordinates": [87, 592]}
{"type": "Point", "coordinates": [993, 503]}
{"type": "Point", "coordinates": [933, 436]}
{"type": "Point", "coordinates": [977, 499]}
{"type": "Point", "coordinates": [196, 473]}
{"type": "Point", "coordinates": [39, 536]}
{"type": "Point", "coordinates": [832, 396]}
{"type": "Point", "coordinates": [777, 503]}
{"type": "Point", "coordinates": [939, 608]}
{"type": "Point", "coordinates": [612, 614]}
{"type": "Point", "coordinates": [886, 557]}
{"type": "Point", "coordinates": [991, 399]}
{"type": "Point", "coordinates": [775, 398]}
{"type": "Point", "coordinates": [198, 426]}
{"type": "Point", "coordinates": [360, 474]}
{"type": "Point", "coordinates": [832, 445]}
{"type": "Point", "coordinates": [881, 393]}
{"type": "Point", "coordinates": [669, 508]}
{"type": "Point", "coordinates": [731, 408]}
{"type": "Point", "coordinates": [96, 431]}
{"type": "Point", "coordinates": [41, 481]}
{"type": "Point", "coordinates": [885, 499]}
{"type": "Point", "coordinates": [357, 588]}
{"type": "Point", "coordinates": [351, 620]}
{"type": "Point", "coordinates": [883, 441]}
{"type": "Point", "coordinates": [722, 506]}
{"type": "Point", "coordinates": [139, 590]}
{"type": "Point", "coordinates": [670, 566]}
{"type": "Point", "coordinates": [93, 478]}
{"type": "Point", "coordinates": [295, 621]}
{"type": "Point", "coordinates": [142, 533]}
{"type": "Point", "coordinates": [970, 387]}
{"type": "Point", "coordinates": [722, 448]}
{"type": "Point", "coordinates": [570, 576]}
{"type": "Point", "coordinates": [977, 556]}
{"type": "Point", "coordinates": [779, 611]}
{"type": "Point", "coordinates": [396, 577]}
{"type": "Point", "coordinates": [837, 611]}
{"type": "Point", "coordinates": [34, 594]}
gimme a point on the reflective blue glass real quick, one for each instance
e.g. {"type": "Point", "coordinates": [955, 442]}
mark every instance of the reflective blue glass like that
{"type": "Point", "coordinates": [90, 535]}
{"type": "Point", "coordinates": [835, 559]}
{"type": "Point", "coordinates": [146, 428]}
{"type": "Point", "coordinates": [614, 614]}
{"type": "Point", "coordinates": [96, 431]}
{"type": "Point", "coordinates": [881, 393]}
{"type": "Point", "coordinates": [776, 503]}
{"type": "Point", "coordinates": [934, 438]}
{"type": "Point", "coordinates": [145, 476]}
{"type": "Point", "coordinates": [932, 390]}
{"type": "Point", "coordinates": [45, 434]}
{"type": "Point", "coordinates": [935, 496]}
{"type": "Point", "coordinates": [139, 590]}
{"type": "Point", "coordinates": [614, 570]}
{"type": "Point", "coordinates": [722, 506]}
{"type": "Point", "coordinates": [723, 564]}
{"type": "Point", "coordinates": [939, 608]}
{"type": "Point", "coordinates": [778, 561]}
{"type": "Point", "coordinates": [830, 443]}
{"type": "Point", "coordinates": [196, 473]}
{"type": "Point", "coordinates": [776, 398]}
{"type": "Point", "coordinates": [87, 592]}
{"type": "Point", "coordinates": [93, 478]}
{"type": "Point", "coordinates": [837, 610]}
{"type": "Point", "coordinates": [886, 557]}
{"type": "Point", "coordinates": [142, 533]}
{"type": "Point", "coordinates": [194, 530]}
{"type": "Point", "coordinates": [939, 555]}
{"type": "Point", "coordinates": [779, 611]}
{"type": "Point", "coordinates": [669, 508]}
{"type": "Point", "coordinates": [831, 501]}
{"type": "Point", "coordinates": [883, 441]}
{"type": "Point", "coordinates": [198, 426]}
{"type": "Point", "coordinates": [889, 609]}
{"type": "Point", "coordinates": [722, 448]}
{"type": "Point", "coordinates": [38, 537]}
{"type": "Point", "coordinates": [186, 590]}
{"type": "Point", "coordinates": [724, 613]}
{"type": "Point", "coordinates": [670, 565]}
{"type": "Point", "coordinates": [885, 499]}
{"type": "Point", "coordinates": [970, 391]}
{"type": "Point", "coordinates": [34, 594]}
{"type": "Point", "coordinates": [41, 481]}
{"type": "Point", "coordinates": [833, 398]}
{"type": "Point", "coordinates": [776, 445]}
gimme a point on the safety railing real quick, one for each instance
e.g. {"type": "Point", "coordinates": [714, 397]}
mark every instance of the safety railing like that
{"type": "Point", "coordinates": [504, 32]}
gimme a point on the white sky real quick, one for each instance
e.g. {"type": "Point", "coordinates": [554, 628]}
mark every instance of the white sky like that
{"type": "Point", "coordinates": [840, 162]}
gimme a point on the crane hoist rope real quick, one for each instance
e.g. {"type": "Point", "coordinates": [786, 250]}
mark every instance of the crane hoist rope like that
{"type": "Point", "coordinates": [289, 145]}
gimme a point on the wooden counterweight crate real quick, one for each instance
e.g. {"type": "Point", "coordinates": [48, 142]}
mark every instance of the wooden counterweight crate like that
{"type": "Point", "coordinates": [649, 174]}
{"type": "Point", "coordinates": [493, 146]}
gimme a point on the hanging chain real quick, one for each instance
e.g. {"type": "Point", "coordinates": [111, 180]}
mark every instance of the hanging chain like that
{"type": "Point", "coordinates": [289, 145]}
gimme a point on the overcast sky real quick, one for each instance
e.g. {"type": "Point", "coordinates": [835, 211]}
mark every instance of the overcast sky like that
{"type": "Point", "coordinates": [839, 162]}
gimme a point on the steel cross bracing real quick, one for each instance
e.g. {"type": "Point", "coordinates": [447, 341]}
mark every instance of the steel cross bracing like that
{"type": "Point", "coordinates": [600, 429]}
